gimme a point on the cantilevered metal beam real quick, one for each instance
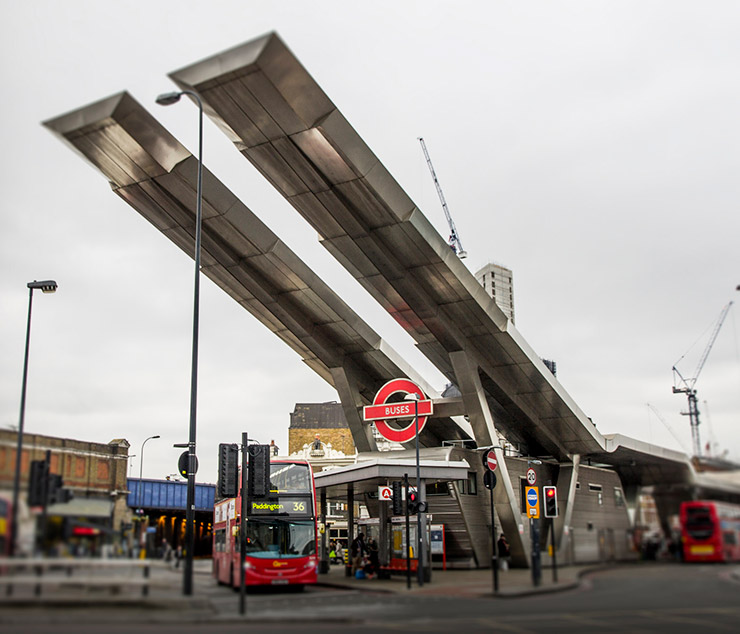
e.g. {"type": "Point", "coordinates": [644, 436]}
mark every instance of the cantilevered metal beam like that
{"type": "Point", "coordinates": [287, 127]}
{"type": "Point", "coordinates": [156, 175]}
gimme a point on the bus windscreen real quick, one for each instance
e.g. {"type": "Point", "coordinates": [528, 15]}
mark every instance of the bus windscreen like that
{"type": "Point", "coordinates": [276, 538]}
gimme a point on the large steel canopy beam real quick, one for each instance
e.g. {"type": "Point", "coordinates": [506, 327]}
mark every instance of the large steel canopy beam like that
{"type": "Point", "coordinates": [156, 175]}
{"type": "Point", "coordinates": [285, 125]}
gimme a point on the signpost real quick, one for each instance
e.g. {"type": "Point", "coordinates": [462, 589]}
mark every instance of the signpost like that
{"type": "Point", "coordinates": [417, 407]}
{"type": "Point", "coordinates": [532, 497]}
{"type": "Point", "coordinates": [531, 477]}
{"type": "Point", "coordinates": [489, 480]}
{"type": "Point", "coordinates": [383, 410]}
{"type": "Point", "coordinates": [385, 494]}
{"type": "Point", "coordinates": [533, 502]}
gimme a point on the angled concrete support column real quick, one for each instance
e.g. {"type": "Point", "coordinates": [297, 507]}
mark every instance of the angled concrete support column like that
{"type": "Point", "coordinates": [567, 479]}
{"type": "Point", "coordinates": [346, 383]}
{"type": "Point", "coordinates": [632, 500]}
{"type": "Point", "coordinates": [323, 552]}
{"type": "Point", "coordinates": [350, 527]}
{"type": "Point", "coordinates": [484, 430]}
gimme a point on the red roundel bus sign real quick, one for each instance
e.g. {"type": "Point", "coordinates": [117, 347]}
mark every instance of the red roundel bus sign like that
{"type": "Point", "coordinates": [382, 410]}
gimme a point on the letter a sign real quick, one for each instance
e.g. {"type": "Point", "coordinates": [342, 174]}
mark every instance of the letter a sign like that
{"type": "Point", "coordinates": [381, 411]}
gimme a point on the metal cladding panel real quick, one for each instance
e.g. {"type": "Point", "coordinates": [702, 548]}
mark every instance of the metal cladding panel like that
{"type": "Point", "coordinates": [369, 223]}
{"type": "Point", "coordinates": [239, 253]}
{"type": "Point", "coordinates": [104, 134]}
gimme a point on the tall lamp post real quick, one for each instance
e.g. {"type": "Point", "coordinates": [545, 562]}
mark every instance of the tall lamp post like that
{"type": "Point", "coordinates": [47, 286]}
{"type": "Point", "coordinates": [140, 491]}
{"type": "Point", "coordinates": [141, 469]}
{"type": "Point", "coordinates": [167, 99]}
{"type": "Point", "coordinates": [412, 396]}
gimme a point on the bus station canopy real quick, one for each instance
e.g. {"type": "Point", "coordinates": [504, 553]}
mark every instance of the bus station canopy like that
{"type": "Point", "coordinates": [370, 472]}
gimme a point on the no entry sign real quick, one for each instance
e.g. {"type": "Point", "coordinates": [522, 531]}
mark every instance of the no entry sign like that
{"type": "Point", "coordinates": [381, 410]}
{"type": "Point", "coordinates": [490, 460]}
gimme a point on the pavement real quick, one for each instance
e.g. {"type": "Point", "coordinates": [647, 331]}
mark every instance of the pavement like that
{"type": "Point", "coordinates": [333, 601]}
{"type": "Point", "coordinates": [210, 602]}
{"type": "Point", "coordinates": [464, 583]}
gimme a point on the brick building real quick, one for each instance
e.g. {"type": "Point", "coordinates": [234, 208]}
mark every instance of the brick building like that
{"type": "Point", "coordinates": [325, 420]}
{"type": "Point", "coordinates": [95, 472]}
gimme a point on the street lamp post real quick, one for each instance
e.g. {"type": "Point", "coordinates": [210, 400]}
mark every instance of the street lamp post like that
{"type": "Point", "coordinates": [47, 286]}
{"type": "Point", "coordinates": [167, 99]}
{"type": "Point", "coordinates": [419, 539]}
{"type": "Point", "coordinates": [141, 487]}
{"type": "Point", "coordinates": [141, 470]}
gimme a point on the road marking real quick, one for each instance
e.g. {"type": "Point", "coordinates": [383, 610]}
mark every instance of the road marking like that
{"type": "Point", "coordinates": [497, 624]}
{"type": "Point", "coordinates": [672, 617]}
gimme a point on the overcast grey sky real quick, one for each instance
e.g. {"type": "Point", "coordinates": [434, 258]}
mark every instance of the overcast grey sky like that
{"type": "Point", "coordinates": [592, 147]}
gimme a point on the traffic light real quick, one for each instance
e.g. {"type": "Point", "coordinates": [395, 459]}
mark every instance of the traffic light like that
{"type": "Point", "coordinates": [396, 488]}
{"type": "Point", "coordinates": [551, 501]}
{"type": "Point", "coordinates": [37, 483]}
{"type": "Point", "coordinates": [415, 505]}
{"type": "Point", "coordinates": [228, 470]}
{"type": "Point", "coordinates": [57, 493]}
{"type": "Point", "coordinates": [183, 462]}
{"type": "Point", "coordinates": [258, 483]}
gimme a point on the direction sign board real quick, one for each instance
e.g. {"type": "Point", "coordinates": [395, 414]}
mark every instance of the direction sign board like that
{"type": "Point", "coordinates": [491, 460]}
{"type": "Point", "coordinates": [531, 477]}
{"type": "Point", "coordinates": [532, 495]}
{"type": "Point", "coordinates": [385, 494]}
{"type": "Point", "coordinates": [381, 410]}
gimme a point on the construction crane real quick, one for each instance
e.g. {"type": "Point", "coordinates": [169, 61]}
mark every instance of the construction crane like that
{"type": "Point", "coordinates": [454, 239]}
{"type": "Point", "coordinates": [667, 426]}
{"type": "Point", "coordinates": [686, 386]}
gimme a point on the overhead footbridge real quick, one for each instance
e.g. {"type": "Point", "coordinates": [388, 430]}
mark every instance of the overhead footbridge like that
{"type": "Point", "coordinates": [147, 167]}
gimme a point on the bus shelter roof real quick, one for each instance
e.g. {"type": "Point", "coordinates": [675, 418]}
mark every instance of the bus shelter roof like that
{"type": "Point", "coordinates": [368, 474]}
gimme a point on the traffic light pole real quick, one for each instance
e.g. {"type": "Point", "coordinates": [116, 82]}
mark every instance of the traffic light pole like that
{"type": "Point", "coordinates": [494, 554]}
{"type": "Point", "coordinates": [408, 531]}
{"type": "Point", "coordinates": [419, 535]}
{"type": "Point", "coordinates": [42, 531]}
{"type": "Point", "coordinates": [554, 550]}
{"type": "Point", "coordinates": [243, 529]}
{"type": "Point", "coordinates": [534, 528]}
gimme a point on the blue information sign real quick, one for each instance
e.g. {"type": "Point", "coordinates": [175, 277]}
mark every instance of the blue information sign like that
{"type": "Point", "coordinates": [533, 502]}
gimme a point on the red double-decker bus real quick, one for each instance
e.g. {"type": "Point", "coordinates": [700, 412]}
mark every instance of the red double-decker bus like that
{"type": "Point", "coordinates": [6, 538]}
{"type": "Point", "coordinates": [710, 531]}
{"type": "Point", "coordinates": [280, 531]}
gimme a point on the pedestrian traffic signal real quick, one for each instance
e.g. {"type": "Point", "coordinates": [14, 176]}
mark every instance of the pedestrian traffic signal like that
{"type": "Point", "coordinates": [396, 488]}
{"type": "Point", "coordinates": [551, 501]}
{"type": "Point", "coordinates": [228, 470]}
{"type": "Point", "coordinates": [415, 505]}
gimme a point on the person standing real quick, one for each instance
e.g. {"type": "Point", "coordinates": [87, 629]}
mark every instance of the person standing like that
{"type": "Point", "coordinates": [340, 553]}
{"type": "Point", "coordinates": [503, 552]}
{"type": "Point", "coordinates": [373, 554]}
{"type": "Point", "coordinates": [357, 551]}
